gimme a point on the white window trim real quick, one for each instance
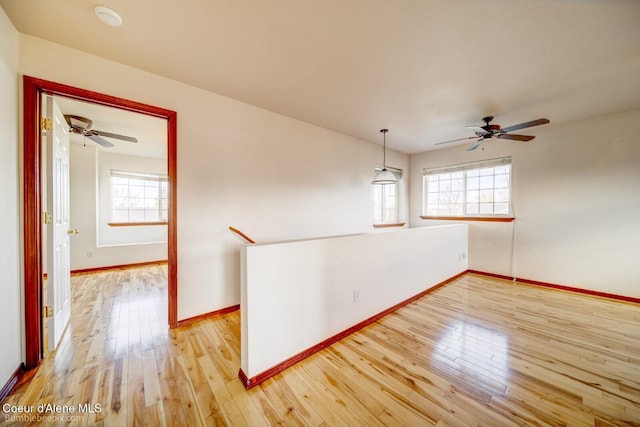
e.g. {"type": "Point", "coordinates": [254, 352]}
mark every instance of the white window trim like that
{"type": "Point", "coordinates": [463, 167]}
{"type": "Point", "coordinates": [398, 174]}
{"type": "Point", "coordinates": [159, 178]}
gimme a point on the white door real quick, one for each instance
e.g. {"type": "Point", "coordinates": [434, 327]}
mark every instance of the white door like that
{"type": "Point", "coordinates": [58, 231]}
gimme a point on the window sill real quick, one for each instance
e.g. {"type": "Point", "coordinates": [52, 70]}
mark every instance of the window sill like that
{"type": "Point", "coordinates": [135, 224]}
{"type": "Point", "coordinates": [471, 218]}
{"type": "Point", "coordinates": [399, 224]}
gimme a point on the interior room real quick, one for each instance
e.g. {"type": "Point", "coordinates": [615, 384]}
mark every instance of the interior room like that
{"type": "Point", "coordinates": [356, 213]}
{"type": "Point", "coordinates": [98, 244]}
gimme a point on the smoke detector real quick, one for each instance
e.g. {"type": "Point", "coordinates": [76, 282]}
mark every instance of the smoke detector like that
{"type": "Point", "coordinates": [108, 16]}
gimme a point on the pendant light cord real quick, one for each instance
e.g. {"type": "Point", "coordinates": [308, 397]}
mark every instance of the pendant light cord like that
{"type": "Point", "coordinates": [384, 148]}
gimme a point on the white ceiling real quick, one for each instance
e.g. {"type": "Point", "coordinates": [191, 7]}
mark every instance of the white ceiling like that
{"type": "Point", "coordinates": [422, 68]}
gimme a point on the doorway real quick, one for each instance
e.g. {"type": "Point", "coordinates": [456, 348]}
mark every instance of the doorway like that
{"type": "Point", "coordinates": [33, 89]}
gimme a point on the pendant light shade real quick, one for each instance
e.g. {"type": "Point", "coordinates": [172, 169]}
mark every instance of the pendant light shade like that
{"type": "Point", "coordinates": [384, 176]}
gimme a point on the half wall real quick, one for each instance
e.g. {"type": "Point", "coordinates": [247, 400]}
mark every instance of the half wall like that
{"type": "Point", "coordinates": [295, 295]}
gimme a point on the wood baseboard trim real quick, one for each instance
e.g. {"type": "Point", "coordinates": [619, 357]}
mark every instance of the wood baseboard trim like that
{"type": "Point", "coordinates": [14, 379]}
{"type": "Point", "coordinates": [209, 315]}
{"type": "Point", "coordinates": [117, 267]}
{"type": "Point", "coordinates": [253, 381]}
{"type": "Point", "coordinates": [494, 275]}
{"type": "Point", "coordinates": [245, 380]}
{"type": "Point", "coordinates": [560, 287]}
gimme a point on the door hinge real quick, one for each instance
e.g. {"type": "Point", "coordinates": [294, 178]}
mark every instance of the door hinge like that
{"type": "Point", "coordinates": [47, 311]}
{"type": "Point", "coordinates": [46, 218]}
{"type": "Point", "coordinates": [45, 123]}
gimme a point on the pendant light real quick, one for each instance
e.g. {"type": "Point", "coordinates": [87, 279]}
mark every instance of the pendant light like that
{"type": "Point", "coordinates": [384, 176]}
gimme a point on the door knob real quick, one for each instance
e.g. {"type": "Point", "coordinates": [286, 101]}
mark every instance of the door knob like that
{"type": "Point", "coordinates": [73, 231]}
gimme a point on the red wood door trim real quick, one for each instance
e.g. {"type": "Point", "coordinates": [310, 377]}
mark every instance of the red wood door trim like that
{"type": "Point", "coordinates": [32, 225]}
{"type": "Point", "coordinates": [32, 89]}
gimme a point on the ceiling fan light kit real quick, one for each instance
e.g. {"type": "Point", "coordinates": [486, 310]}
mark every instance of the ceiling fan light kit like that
{"type": "Point", "coordinates": [108, 16]}
{"type": "Point", "coordinates": [384, 176]}
{"type": "Point", "coordinates": [491, 131]}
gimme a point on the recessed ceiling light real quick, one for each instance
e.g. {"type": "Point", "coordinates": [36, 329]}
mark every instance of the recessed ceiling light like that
{"type": "Point", "coordinates": [108, 16]}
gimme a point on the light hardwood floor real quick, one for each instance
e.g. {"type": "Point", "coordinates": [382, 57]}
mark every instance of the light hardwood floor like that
{"type": "Point", "coordinates": [477, 351]}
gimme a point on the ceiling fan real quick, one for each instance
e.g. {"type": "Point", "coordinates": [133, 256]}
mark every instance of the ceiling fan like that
{"type": "Point", "coordinates": [489, 131]}
{"type": "Point", "coordinates": [82, 126]}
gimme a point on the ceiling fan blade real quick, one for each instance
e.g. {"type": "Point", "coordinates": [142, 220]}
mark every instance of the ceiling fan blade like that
{"type": "Point", "coordinates": [99, 140]}
{"type": "Point", "coordinates": [475, 144]}
{"type": "Point", "coordinates": [526, 125]}
{"type": "Point", "coordinates": [78, 122]}
{"type": "Point", "coordinates": [477, 129]}
{"type": "Point", "coordinates": [114, 135]}
{"type": "Point", "coordinates": [516, 137]}
{"type": "Point", "coordinates": [455, 140]}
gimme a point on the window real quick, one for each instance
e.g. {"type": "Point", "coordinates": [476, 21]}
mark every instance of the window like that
{"type": "Point", "coordinates": [138, 197]}
{"type": "Point", "coordinates": [385, 199]}
{"type": "Point", "coordinates": [471, 189]}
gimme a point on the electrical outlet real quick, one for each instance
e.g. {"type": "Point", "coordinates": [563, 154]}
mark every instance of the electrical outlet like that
{"type": "Point", "coordinates": [356, 295]}
{"type": "Point", "coordinates": [89, 254]}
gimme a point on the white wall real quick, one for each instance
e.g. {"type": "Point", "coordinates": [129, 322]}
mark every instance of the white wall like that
{"type": "Point", "coordinates": [97, 244]}
{"type": "Point", "coordinates": [576, 201]}
{"type": "Point", "coordinates": [10, 266]}
{"type": "Point", "coordinates": [269, 175]}
{"type": "Point", "coordinates": [297, 294]}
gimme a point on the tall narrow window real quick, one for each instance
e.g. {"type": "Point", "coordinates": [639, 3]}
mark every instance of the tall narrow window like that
{"type": "Point", "coordinates": [470, 189]}
{"type": "Point", "coordinates": [385, 199]}
{"type": "Point", "coordinates": [138, 197]}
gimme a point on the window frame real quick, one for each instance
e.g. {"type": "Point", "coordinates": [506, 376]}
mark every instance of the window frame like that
{"type": "Point", "coordinates": [379, 205]}
{"type": "Point", "coordinates": [163, 205]}
{"type": "Point", "coordinates": [465, 168]}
